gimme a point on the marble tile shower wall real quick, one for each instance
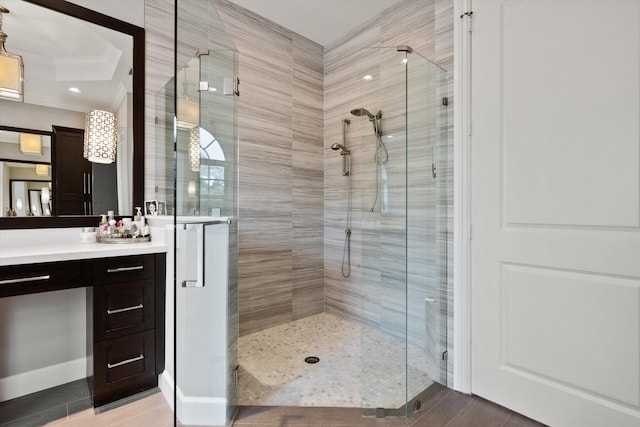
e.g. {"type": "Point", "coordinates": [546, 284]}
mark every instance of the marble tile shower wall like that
{"type": "Point", "coordinates": [199, 30]}
{"type": "Point", "coordinates": [281, 170]}
{"type": "Point", "coordinates": [159, 70]}
{"type": "Point", "coordinates": [374, 294]}
{"type": "Point", "coordinates": [280, 117]}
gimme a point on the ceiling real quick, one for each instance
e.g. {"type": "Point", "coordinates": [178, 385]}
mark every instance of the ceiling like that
{"type": "Point", "coordinates": [322, 21]}
{"type": "Point", "coordinates": [60, 52]}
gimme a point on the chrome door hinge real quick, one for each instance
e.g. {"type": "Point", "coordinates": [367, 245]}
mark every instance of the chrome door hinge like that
{"type": "Point", "coordinates": [235, 376]}
{"type": "Point", "coordinates": [467, 14]}
{"type": "Point", "coordinates": [236, 86]}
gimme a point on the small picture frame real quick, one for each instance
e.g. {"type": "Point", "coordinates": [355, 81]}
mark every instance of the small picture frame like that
{"type": "Point", "coordinates": [162, 208]}
{"type": "Point", "coordinates": [151, 207]}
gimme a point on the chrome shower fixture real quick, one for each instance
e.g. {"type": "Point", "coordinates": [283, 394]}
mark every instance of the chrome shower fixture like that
{"type": "Point", "coordinates": [376, 120]}
{"type": "Point", "coordinates": [337, 147]}
{"type": "Point", "coordinates": [344, 151]}
{"type": "Point", "coordinates": [382, 155]}
{"type": "Point", "coordinates": [359, 112]}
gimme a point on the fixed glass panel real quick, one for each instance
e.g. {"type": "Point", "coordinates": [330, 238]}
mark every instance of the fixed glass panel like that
{"type": "Point", "coordinates": [427, 148]}
{"type": "Point", "coordinates": [204, 159]}
{"type": "Point", "coordinates": [402, 214]}
{"type": "Point", "coordinates": [383, 220]}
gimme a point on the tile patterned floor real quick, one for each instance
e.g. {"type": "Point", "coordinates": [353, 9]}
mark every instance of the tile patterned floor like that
{"type": "Point", "coordinates": [448, 408]}
{"type": "Point", "coordinates": [273, 371]}
{"type": "Point", "coordinates": [38, 408]}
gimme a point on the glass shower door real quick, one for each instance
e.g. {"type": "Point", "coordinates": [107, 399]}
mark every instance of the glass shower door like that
{"type": "Point", "coordinates": [404, 294]}
{"type": "Point", "coordinates": [426, 213]}
{"type": "Point", "coordinates": [383, 228]}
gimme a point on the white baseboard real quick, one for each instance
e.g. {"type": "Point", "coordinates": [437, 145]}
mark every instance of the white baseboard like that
{"type": "Point", "coordinates": [165, 383]}
{"type": "Point", "coordinates": [42, 379]}
{"type": "Point", "coordinates": [194, 411]}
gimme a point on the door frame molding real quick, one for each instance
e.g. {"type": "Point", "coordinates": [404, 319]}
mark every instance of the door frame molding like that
{"type": "Point", "coordinates": [462, 197]}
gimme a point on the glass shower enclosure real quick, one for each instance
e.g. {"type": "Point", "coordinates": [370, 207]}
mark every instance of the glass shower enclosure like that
{"type": "Point", "coordinates": [403, 217]}
{"type": "Point", "coordinates": [196, 191]}
{"type": "Point", "coordinates": [401, 177]}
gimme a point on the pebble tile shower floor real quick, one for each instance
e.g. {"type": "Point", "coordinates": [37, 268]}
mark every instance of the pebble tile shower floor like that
{"type": "Point", "coordinates": [273, 371]}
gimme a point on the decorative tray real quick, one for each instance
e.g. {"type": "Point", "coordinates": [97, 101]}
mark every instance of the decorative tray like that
{"type": "Point", "coordinates": [123, 240]}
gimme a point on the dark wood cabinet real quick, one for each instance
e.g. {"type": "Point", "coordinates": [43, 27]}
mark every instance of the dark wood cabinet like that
{"type": "Point", "coordinates": [125, 316]}
{"type": "Point", "coordinates": [43, 277]}
{"type": "Point", "coordinates": [123, 308]}
{"type": "Point", "coordinates": [71, 173]}
{"type": "Point", "coordinates": [127, 325]}
{"type": "Point", "coordinates": [123, 366]}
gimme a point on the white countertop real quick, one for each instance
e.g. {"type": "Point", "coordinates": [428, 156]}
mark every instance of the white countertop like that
{"type": "Point", "coordinates": [73, 251]}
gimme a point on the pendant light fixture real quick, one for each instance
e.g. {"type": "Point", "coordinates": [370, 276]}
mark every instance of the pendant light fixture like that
{"type": "Point", "coordinates": [100, 137]}
{"type": "Point", "coordinates": [11, 69]}
{"type": "Point", "coordinates": [42, 169]}
{"type": "Point", "coordinates": [31, 144]}
{"type": "Point", "coordinates": [194, 149]}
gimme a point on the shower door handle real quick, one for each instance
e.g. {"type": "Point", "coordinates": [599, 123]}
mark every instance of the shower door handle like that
{"type": "Point", "coordinates": [190, 259]}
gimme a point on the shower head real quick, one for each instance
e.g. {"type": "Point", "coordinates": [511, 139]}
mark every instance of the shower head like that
{"type": "Point", "coordinates": [376, 120]}
{"type": "Point", "coordinates": [337, 147]}
{"type": "Point", "coordinates": [359, 112]}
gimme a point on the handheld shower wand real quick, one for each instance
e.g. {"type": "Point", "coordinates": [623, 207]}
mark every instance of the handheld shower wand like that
{"type": "Point", "coordinates": [380, 147]}
{"type": "Point", "coordinates": [337, 147]}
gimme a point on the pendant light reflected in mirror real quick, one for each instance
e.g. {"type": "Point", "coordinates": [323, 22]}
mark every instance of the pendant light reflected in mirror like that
{"type": "Point", "coordinates": [11, 69]}
{"type": "Point", "coordinates": [31, 144]}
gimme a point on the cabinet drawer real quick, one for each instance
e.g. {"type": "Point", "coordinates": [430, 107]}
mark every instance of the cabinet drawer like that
{"type": "Point", "coordinates": [112, 270]}
{"type": "Point", "coordinates": [123, 366]}
{"type": "Point", "coordinates": [32, 278]}
{"type": "Point", "coordinates": [123, 308]}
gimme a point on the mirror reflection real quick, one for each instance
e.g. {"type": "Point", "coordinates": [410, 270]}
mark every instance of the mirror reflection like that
{"type": "Point", "coordinates": [83, 68]}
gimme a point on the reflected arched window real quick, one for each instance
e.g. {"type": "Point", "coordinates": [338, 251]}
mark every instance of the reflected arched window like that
{"type": "Point", "coordinates": [212, 174]}
{"type": "Point", "coordinates": [210, 147]}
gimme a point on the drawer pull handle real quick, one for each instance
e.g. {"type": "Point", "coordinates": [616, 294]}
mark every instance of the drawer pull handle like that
{"type": "Point", "coordinates": [120, 310]}
{"type": "Point", "coordinates": [24, 279]}
{"type": "Point", "coordinates": [121, 269]}
{"type": "Point", "coordinates": [124, 362]}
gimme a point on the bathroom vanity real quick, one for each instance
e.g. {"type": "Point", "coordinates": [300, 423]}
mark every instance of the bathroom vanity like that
{"type": "Point", "coordinates": [125, 293]}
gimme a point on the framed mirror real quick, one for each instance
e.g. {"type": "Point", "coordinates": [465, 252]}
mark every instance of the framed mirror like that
{"type": "Point", "coordinates": [76, 60]}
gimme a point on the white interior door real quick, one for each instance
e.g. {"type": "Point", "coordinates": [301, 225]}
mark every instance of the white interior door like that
{"type": "Point", "coordinates": [555, 209]}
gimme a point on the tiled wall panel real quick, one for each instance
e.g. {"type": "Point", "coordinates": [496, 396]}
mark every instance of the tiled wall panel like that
{"type": "Point", "coordinates": [374, 293]}
{"type": "Point", "coordinates": [281, 171]}
{"type": "Point", "coordinates": [280, 121]}
{"type": "Point", "coordinates": [159, 71]}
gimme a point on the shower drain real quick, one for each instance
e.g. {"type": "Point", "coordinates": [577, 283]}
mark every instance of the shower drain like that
{"type": "Point", "coordinates": [312, 359]}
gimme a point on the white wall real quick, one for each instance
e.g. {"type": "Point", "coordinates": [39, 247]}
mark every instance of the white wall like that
{"type": "Point", "coordinates": [131, 11]}
{"type": "Point", "coordinates": [40, 118]}
{"type": "Point", "coordinates": [12, 151]}
{"type": "Point", "coordinates": [42, 336]}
